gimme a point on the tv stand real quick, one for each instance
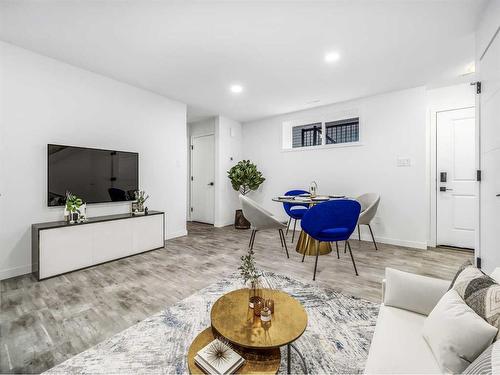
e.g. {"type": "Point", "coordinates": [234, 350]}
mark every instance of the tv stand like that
{"type": "Point", "coordinates": [59, 247]}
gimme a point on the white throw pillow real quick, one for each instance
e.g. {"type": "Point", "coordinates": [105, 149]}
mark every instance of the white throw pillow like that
{"type": "Point", "coordinates": [456, 334]}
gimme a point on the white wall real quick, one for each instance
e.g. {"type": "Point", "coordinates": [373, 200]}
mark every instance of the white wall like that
{"type": "Point", "coordinates": [45, 101]}
{"type": "Point", "coordinates": [393, 125]}
{"type": "Point", "coordinates": [228, 151]}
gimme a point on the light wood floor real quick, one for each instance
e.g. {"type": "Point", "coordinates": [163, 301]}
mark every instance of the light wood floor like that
{"type": "Point", "coordinates": [44, 323]}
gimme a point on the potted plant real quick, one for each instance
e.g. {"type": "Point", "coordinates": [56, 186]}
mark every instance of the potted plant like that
{"type": "Point", "coordinates": [244, 177]}
{"type": "Point", "coordinates": [140, 198]}
{"type": "Point", "coordinates": [73, 204]}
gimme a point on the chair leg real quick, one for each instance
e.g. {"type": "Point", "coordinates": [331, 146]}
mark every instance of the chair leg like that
{"type": "Point", "coordinates": [281, 239]}
{"type": "Point", "coordinates": [352, 258]}
{"type": "Point", "coordinates": [359, 233]}
{"type": "Point", "coordinates": [345, 247]}
{"type": "Point", "coordinates": [373, 238]}
{"type": "Point", "coordinates": [337, 246]}
{"type": "Point", "coordinates": [282, 236]}
{"type": "Point", "coordinates": [294, 225]}
{"type": "Point", "coordinates": [304, 255]}
{"type": "Point", "coordinates": [288, 225]}
{"type": "Point", "coordinates": [316, 262]}
{"type": "Point", "coordinates": [253, 239]}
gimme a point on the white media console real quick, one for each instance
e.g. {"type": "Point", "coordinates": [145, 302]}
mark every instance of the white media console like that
{"type": "Point", "coordinates": [59, 247]}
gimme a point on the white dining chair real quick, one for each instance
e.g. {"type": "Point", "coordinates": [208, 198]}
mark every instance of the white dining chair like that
{"type": "Point", "coordinates": [260, 219]}
{"type": "Point", "coordinates": [369, 205]}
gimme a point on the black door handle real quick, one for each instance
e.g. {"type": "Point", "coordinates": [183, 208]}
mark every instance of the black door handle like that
{"type": "Point", "coordinates": [211, 183]}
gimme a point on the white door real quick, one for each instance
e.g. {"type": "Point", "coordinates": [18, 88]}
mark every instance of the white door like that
{"type": "Point", "coordinates": [456, 178]}
{"type": "Point", "coordinates": [202, 179]}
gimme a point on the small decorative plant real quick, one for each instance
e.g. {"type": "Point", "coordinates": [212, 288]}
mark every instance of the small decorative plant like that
{"type": "Point", "coordinates": [245, 177]}
{"type": "Point", "coordinates": [73, 204]}
{"type": "Point", "coordinates": [248, 271]}
{"type": "Point", "coordinates": [141, 198]}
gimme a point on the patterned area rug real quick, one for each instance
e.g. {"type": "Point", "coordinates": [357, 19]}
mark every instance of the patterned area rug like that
{"type": "Point", "coordinates": [337, 339]}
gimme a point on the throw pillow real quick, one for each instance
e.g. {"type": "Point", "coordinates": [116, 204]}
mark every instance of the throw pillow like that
{"type": "Point", "coordinates": [481, 293]}
{"type": "Point", "coordinates": [487, 363]}
{"type": "Point", "coordinates": [456, 334]}
{"type": "Point", "coordinates": [467, 264]}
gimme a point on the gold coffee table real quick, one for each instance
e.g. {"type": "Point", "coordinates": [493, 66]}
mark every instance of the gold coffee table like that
{"type": "Point", "coordinates": [232, 319]}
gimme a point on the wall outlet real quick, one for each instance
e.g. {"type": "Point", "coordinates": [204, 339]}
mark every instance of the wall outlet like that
{"type": "Point", "coordinates": [403, 162]}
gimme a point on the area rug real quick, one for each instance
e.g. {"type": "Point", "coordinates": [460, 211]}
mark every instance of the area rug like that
{"type": "Point", "coordinates": [337, 339]}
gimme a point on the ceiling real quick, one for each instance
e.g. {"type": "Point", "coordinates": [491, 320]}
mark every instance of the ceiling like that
{"type": "Point", "coordinates": [193, 51]}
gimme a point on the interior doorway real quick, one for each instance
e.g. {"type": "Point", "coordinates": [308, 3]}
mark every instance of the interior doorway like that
{"type": "Point", "coordinates": [456, 187]}
{"type": "Point", "coordinates": [202, 179]}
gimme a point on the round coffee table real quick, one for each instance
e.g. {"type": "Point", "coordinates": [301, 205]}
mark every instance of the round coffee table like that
{"type": "Point", "coordinates": [232, 319]}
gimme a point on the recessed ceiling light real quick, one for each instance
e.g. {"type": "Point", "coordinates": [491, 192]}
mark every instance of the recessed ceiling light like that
{"type": "Point", "coordinates": [236, 89]}
{"type": "Point", "coordinates": [332, 57]}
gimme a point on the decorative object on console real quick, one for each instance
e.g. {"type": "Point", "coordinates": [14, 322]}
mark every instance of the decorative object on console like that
{"type": "Point", "coordinates": [265, 314]}
{"type": "Point", "coordinates": [73, 204]}
{"type": "Point", "coordinates": [140, 199]}
{"type": "Point", "coordinates": [244, 178]}
{"type": "Point", "coordinates": [270, 304]}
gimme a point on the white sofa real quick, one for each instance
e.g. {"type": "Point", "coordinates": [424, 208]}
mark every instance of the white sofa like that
{"type": "Point", "coordinates": [398, 346]}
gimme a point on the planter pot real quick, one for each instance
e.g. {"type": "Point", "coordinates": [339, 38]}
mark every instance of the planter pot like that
{"type": "Point", "coordinates": [240, 222]}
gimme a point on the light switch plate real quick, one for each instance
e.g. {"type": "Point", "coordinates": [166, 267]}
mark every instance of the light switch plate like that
{"type": "Point", "coordinates": [403, 162]}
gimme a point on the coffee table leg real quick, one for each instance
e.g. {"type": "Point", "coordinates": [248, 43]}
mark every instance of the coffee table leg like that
{"type": "Point", "coordinates": [299, 354]}
{"type": "Point", "coordinates": [289, 359]}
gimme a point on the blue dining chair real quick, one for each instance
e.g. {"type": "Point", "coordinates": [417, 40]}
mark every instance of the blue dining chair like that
{"type": "Point", "coordinates": [294, 211]}
{"type": "Point", "coordinates": [331, 221]}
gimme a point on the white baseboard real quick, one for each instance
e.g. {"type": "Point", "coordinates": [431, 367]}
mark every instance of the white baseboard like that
{"type": "Point", "coordinates": [177, 234]}
{"type": "Point", "coordinates": [16, 271]}
{"type": "Point", "coordinates": [224, 224]}
{"type": "Point", "coordinates": [391, 241]}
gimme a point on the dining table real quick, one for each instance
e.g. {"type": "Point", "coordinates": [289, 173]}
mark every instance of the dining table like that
{"type": "Point", "coordinates": [306, 244]}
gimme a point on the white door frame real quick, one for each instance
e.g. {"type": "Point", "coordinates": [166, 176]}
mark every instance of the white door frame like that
{"type": "Point", "coordinates": [191, 168]}
{"type": "Point", "coordinates": [433, 173]}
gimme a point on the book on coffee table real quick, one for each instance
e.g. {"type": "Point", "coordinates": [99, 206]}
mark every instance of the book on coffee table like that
{"type": "Point", "coordinates": [218, 358]}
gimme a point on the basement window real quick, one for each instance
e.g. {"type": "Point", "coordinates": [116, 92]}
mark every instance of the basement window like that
{"type": "Point", "coordinates": [338, 130]}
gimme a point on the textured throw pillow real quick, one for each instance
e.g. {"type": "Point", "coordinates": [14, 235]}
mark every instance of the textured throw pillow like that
{"type": "Point", "coordinates": [487, 363]}
{"type": "Point", "coordinates": [481, 293]}
{"type": "Point", "coordinates": [467, 264]}
{"type": "Point", "coordinates": [456, 334]}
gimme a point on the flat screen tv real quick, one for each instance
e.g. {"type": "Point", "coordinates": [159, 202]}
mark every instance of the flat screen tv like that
{"type": "Point", "coordinates": [95, 175]}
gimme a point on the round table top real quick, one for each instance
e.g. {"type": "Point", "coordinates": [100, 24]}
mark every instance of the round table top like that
{"type": "Point", "coordinates": [308, 200]}
{"type": "Point", "coordinates": [261, 362]}
{"type": "Point", "coordinates": [234, 320]}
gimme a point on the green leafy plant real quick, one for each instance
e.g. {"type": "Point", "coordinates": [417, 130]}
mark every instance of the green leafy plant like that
{"type": "Point", "coordinates": [73, 203]}
{"type": "Point", "coordinates": [140, 196]}
{"type": "Point", "coordinates": [247, 268]}
{"type": "Point", "coordinates": [245, 177]}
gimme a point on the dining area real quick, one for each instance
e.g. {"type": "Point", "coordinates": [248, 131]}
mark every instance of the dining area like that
{"type": "Point", "coordinates": [326, 222]}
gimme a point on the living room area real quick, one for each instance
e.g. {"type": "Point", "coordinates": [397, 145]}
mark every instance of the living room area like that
{"type": "Point", "coordinates": [249, 187]}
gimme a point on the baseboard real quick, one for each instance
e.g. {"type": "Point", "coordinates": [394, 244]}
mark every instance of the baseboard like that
{"type": "Point", "coordinates": [391, 241]}
{"type": "Point", "coordinates": [224, 224]}
{"type": "Point", "coordinates": [16, 271]}
{"type": "Point", "coordinates": [177, 234]}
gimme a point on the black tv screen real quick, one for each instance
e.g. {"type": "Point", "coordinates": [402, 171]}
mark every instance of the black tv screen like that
{"type": "Point", "coordinates": [95, 175]}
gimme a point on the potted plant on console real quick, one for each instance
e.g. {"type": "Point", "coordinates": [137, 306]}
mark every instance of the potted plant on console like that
{"type": "Point", "coordinates": [73, 206]}
{"type": "Point", "coordinates": [140, 199]}
{"type": "Point", "coordinates": [244, 177]}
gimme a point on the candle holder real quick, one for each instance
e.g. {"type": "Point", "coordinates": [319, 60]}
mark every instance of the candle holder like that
{"type": "Point", "coordinates": [258, 306]}
{"type": "Point", "coordinates": [265, 314]}
{"type": "Point", "coordinates": [269, 303]}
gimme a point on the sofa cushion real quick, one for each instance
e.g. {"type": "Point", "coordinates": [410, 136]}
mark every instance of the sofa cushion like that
{"type": "Point", "coordinates": [456, 334]}
{"type": "Point", "coordinates": [398, 346]}
{"type": "Point", "coordinates": [413, 292]}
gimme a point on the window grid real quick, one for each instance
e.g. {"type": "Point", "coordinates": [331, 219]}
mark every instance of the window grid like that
{"type": "Point", "coordinates": [344, 131]}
